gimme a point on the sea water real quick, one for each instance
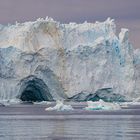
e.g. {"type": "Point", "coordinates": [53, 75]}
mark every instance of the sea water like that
{"type": "Point", "coordinates": [32, 122]}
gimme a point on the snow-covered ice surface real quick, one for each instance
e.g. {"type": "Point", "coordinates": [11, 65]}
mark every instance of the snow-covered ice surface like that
{"type": "Point", "coordinates": [101, 105]}
{"type": "Point", "coordinates": [60, 106]}
{"type": "Point", "coordinates": [63, 60]}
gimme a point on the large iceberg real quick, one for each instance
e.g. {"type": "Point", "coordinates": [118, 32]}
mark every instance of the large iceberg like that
{"type": "Point", "coordinates": [46, 61]}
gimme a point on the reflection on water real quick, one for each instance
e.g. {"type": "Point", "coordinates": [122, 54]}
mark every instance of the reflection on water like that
{"type": "Point", "coordinates": [82, 126]}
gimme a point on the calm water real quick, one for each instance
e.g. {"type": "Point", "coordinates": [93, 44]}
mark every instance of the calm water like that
{"type": "Point", "coordinates": [31, 122]}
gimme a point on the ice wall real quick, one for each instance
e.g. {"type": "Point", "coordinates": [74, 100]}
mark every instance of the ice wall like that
{"type": "Point", "coordinates": [69, 58]}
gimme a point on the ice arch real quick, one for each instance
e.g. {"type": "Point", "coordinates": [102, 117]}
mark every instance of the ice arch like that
{"type": "Point", "coordinates": [42, 85]}
{"type": "Point", "coordinates": [34, 89]}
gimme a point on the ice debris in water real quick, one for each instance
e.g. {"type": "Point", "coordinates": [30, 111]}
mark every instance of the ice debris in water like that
{"type": "Point", "coordinates": [60, 107]}
{"type": "Point", "coordinates": [127, 104]}
{"type": "Point", "coordinates": [42, 103]}
{"type": "Point", "coordinates": [101, 105]}
{"type": "Point", "coordinates": [9, 102]}
{"type": "Point", "coordinates": [134, 102]}
{"type": "Point", "coordinates": [4, 103]}
{"type": "Point", "coordinates": [14, 101]}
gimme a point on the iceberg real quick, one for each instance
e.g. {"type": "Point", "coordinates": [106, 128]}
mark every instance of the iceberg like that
{"type": "Point", "coordinates": [101, 105]}
{"type": "Point", "coordinates": [45, 60]}
{"type": "Point", "coordinates": [60, 107]}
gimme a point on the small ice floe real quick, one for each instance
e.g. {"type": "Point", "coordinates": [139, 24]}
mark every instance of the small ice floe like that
{"type": "Point", "coordinates": [14, 101]}
{"type": "Point", "coordinates": [42, 103]}
{"type": "Point", "coordinates": [60, 107]}
{"type": "Point", "coordinates": [1, 104]}
{"type": "Point", "coordinates": [8, 102]}
{"type": "Point", "coordinates": [127, 104]}
{"type": "Point", "coordinates": [101, 105]}
{"type": "Point", "coordinates": [4, 103]}
{"type": "Point", "coordinates": [137, 100]}
{"type": "Point", "coordinates": [134, 102]}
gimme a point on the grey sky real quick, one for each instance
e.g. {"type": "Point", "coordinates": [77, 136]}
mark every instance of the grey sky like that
{"type": "Point", "coordinates": [125, 12]}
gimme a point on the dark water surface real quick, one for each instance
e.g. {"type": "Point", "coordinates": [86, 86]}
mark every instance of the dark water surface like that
{"type": "Point", "coordinates": [32, 122]}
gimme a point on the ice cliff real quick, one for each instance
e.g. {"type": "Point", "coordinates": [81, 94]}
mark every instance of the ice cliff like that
{"type": "Point", "coordinates": [46, 60]}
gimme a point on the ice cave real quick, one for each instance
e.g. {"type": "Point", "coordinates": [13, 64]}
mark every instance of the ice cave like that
{"type": "Point", "coordinates": [34, 89]}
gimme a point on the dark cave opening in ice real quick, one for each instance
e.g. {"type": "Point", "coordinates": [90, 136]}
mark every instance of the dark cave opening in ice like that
{"type": "Point", "coordinates": [34, 89]}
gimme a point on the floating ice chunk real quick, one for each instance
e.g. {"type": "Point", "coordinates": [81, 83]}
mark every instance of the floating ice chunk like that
{"type": "Point", "coordinates": [4, 102]}
{"type": "Point", "coordinates": [134, 102]}
{"type": "Point", "coordinates": [7, 102]}
{"type": "Point", "coordinates": [60, 107]}
{"type": "Point", "coordinates": [101, 105]}
{"type": "Point", "coordinates": [14, 101]}
{"type": "Point", "coordinates": [137, 99]}
{"type": "Point", "coordinates": [42, 103]}
{"type": "Point", "coordinates": [127, 104]}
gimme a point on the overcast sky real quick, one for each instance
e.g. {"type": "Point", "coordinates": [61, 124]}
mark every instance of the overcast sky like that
{"type": "Point", "coordinates": [125, 12]}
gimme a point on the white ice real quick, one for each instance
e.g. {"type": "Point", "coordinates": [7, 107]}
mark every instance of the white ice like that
{"type": "Point", "coordinates": [60, 107]}
{"type": "Point", "coordinates": [9, 102]}
{"type": "Point", "coordinates": [101, 105]}
{"type": "Point", "coordinates": [42, 103]}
